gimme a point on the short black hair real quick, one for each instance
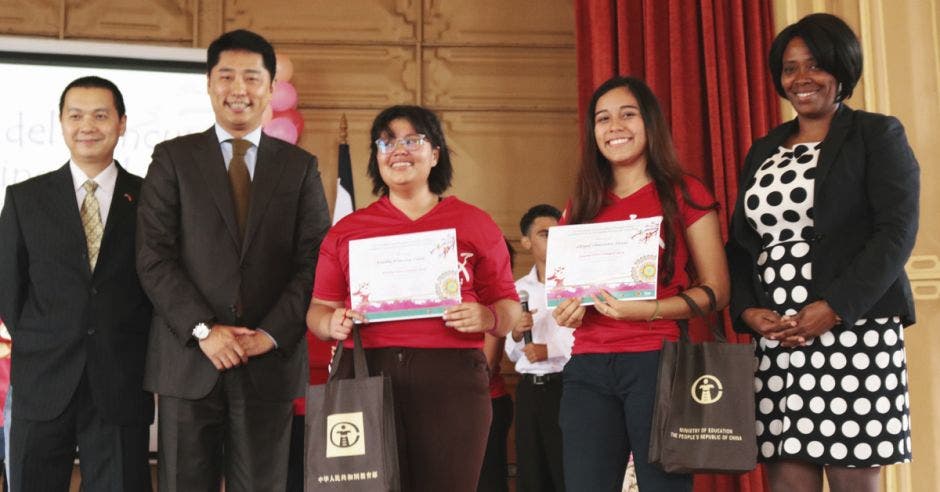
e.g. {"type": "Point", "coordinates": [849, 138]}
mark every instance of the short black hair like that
{"type": "Point", "coordinates": [425, 122]}
{"type": "Point", "coordinates": [541, 210]}
{"type": "Point", "coordinates": [95, 82]}
{"type": "Point", "coordinates": [242, 40]}
{"type": "Point", "coordinates": [832, 43]}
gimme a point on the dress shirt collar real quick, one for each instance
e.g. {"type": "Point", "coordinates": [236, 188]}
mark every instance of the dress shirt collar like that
{"type": "Point", "coordinates": [106, 179]}
{"type": "Point", "coordinates": [254, 136]}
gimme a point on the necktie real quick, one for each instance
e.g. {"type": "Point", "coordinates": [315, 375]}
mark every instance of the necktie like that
{"type": "Point", "coordinates": [91, 222]}
{"type": "Point", "coordinates": [240, 181]}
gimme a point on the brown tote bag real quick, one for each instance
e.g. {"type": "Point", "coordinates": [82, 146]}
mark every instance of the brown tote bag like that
{"type": "Point", "coordinates": [349, 438]}
{"type": "Point", "coordinates": [704, 414]}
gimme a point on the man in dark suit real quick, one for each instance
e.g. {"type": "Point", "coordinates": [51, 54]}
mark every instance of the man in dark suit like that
{"type": "Point", "coordinates": [70, 296]}
{"type": "Point", "coordinates": [229, 227]}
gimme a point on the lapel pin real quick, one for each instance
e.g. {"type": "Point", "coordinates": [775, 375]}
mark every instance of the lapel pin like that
{"type": "Point", "coordinates": [129, 198]}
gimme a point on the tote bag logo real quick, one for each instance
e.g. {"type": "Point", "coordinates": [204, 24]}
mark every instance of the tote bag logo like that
{"type": "Point", "coordinates": [345, 435]}
{"type": "Point", "coordinates": [706, 389]}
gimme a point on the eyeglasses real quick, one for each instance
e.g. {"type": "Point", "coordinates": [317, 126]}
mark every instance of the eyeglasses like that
{"type": "Point", "coordinates": [410, 142]}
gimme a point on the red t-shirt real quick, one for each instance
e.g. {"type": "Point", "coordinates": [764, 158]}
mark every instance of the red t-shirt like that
{"type": "Point", "coordinates": [599, 334]}
{"type": "Point", "coordinates": [480, 244]}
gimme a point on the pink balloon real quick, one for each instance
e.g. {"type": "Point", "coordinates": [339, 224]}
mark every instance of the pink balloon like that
{"type": "Point", "coordinates": [267, 115]}
{"type": "Point", "coordinates": [284, 97]}
{"type": "Point", "coordinates": [285, 68]}
{"type": "Point", "coordinates": [283, 129]}
{"type": "Point", "coordinates": [294, 116]}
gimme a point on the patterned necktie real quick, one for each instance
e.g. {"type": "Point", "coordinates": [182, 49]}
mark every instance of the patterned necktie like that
{"type": "Point", "coordinates": [240, 181]}
{"type": "Point", "coordinates": [91, 222]}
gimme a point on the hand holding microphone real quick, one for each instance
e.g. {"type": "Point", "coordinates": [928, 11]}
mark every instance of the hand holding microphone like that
{"type": "Point", "coordinates": [524, 300]}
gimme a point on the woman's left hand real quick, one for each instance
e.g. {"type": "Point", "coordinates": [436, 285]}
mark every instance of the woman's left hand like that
{"type": "Point", "coordinates": [614, 308]}
{"type": "Point", "coordinates": [469, 317]}
{"type": "Point", "coordinates": [812, 321]}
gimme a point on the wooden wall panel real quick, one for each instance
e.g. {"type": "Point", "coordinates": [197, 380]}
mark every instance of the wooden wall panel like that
{"type": "Point", "coordinates": [507, 162]}
{"type": "Point", "coordinates": [210, 23]}
{"type": "Point", "coordinates": [322, 136]}
{"type": "Point", "coordinates": [489, 22]}
{"type": "Point", "coordinates": [168, 21]}
{"type": "Point", "coordinates": [353, 76]}
{"type": "Point", "coordinates": [501, 78]}
{"type": "Point", "coordinates": [30, 17]}
{"type": "Point", "coordinates": [317, 21]}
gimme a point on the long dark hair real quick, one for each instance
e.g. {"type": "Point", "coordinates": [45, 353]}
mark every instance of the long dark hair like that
{"type": "Point", "coordinates": [662, 165]}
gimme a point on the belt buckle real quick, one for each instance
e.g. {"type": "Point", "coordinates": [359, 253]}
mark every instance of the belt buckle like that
{"type": "Point", "coordinates": [539, 379]}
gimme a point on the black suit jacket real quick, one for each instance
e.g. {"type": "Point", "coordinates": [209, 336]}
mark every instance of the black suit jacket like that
{"type": "Point", "coordinates": [194, 268]}
{"type": "Point", "coordinates": [64, 318]}
{"type": "Point", "coordinates": [866, 210]}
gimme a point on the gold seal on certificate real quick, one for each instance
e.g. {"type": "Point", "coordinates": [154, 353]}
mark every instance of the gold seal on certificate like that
{"type": "Point", "coordinates": [406, 276]}
{"type": "Point", "coordinates": [620, 257]}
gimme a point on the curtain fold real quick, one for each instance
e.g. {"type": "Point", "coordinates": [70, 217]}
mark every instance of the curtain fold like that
{"type": "Point", "coordinates": [706, 61]}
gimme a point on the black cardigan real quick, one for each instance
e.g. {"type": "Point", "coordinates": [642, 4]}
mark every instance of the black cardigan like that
{"type": "Point", "coordinates": [866, 209]}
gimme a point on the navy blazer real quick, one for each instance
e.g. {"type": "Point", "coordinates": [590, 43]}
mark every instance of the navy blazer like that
{"type": "Point", "coordinates": [865, 209]}
{"type": "Point", "coordinates": [67, 320]}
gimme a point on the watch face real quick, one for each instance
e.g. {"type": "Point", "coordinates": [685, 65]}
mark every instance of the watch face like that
{"type": "Point", "coordinates": [201, 331]}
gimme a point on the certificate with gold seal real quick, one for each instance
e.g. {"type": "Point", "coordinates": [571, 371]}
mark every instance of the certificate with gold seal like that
{"type": "Point", "coordinates": [406, 276]}
{"type": "Point", "coordinates": [620, 257]}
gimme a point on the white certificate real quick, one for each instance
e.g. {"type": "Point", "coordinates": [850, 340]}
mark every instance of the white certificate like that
{"type": "Point", "coordinates": [620, 257]}
{"type": "Point", "coordinates": [406, 276]}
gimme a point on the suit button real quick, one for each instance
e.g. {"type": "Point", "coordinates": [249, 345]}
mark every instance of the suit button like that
{"type": "Point", "coordinates": [94, 291]}
{"type": "Point", "coordinates": [91, 331]}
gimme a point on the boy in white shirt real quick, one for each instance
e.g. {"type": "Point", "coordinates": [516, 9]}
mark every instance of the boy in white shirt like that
{"type": "Point", "coordinates": [540, 362]}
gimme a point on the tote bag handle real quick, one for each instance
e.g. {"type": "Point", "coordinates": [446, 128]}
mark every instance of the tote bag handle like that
{"type": "Point", "coordinates": [360, 368]}
{"type": "Point", "coordinates": [715, 326]}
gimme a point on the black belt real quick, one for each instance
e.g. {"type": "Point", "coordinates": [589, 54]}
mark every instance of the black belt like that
{"type": "Point", "coordinates": [539, 380]}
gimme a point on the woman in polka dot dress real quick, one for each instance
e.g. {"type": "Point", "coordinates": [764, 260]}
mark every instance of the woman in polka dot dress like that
{"type": "Point", "coordinates": [825, 220]}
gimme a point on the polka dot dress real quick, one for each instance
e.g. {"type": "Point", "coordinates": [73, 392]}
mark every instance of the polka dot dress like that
{"type": "Point", "coordinates": [841, 399]}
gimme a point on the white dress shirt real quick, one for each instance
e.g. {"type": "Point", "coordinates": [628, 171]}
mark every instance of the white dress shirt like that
{"type": "Point", "coordinates": [106, 180]}
{"type": "Point", "coordinates": [558, 339]}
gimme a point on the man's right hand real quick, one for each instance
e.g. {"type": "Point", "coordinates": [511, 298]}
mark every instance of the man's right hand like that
{"type": "Point", "coordinates": [222, 347]}
{"type": "Point", "coordinates": [525, 324]}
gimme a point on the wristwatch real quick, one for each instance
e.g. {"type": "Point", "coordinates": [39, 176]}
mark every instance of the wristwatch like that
{"type": "Point", "coordinates": [201, 331]}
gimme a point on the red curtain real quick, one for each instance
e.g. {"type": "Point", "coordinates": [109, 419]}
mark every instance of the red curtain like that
{"type": "Point", "coordinates": [706, 62]}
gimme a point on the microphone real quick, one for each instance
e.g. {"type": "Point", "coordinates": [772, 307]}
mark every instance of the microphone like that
{"type": "Point", "coordinates": [524, 300]}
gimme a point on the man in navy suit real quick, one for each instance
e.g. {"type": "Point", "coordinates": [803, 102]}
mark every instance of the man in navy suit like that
{"type": "Point", "coordinates": [79, 319]}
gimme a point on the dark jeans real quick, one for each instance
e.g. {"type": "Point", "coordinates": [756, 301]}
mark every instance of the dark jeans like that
{"type": "Point", "coordinates": [442, 413]}
{"type": "Point", "coordinates": [494, 472]}
{"type": "Point", "coordinates": [538, 436]}
{"type": "Point", "coordinates": [606, 411]}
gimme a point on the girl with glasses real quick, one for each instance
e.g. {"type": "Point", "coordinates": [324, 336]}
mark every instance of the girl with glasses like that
{"type": "Point", "coordinates": [440, 377]}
